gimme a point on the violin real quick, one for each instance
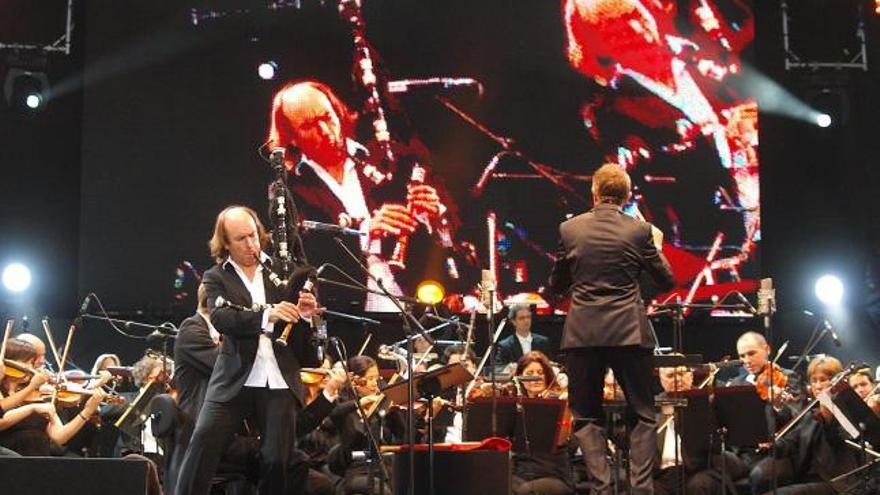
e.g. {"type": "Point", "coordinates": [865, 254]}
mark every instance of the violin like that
{"type": "Point", "coordinates": [313, 376]}
{"type": "Point", "coordinates": [771, 376]}
{"type": "Point", "coordinates": [17, 370]}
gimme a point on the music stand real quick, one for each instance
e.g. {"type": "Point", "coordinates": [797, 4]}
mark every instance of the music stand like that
{"type": "Point", "coordinates": [138, 411]}
{"type": "Point", "coordinates": [429, 385]}
{"type": "Point", "coordinates": [854, 414]}
{"type": "Point", "coordinates": [860, 422]}
{"type": "Point", "coordinates": [742, 415]}
{"type": "Point", "coordinates": [674, 360]}
{"type": "Point", "coordinates": [538, 432]}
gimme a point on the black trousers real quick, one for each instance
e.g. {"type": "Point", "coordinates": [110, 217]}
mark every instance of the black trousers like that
{"type": "Point", "coordinates": [633, 369]}
{"type": "Point", "coordinates": [273, 412]}
{"type": "Point", "coordinates": [705, 482]}
{"type": "Point", "coordinates": [815, 488]}
{"type": "Point", "coordinates": [540, 486]}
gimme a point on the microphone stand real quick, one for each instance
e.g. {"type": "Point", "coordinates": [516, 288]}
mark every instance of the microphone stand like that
{"type": "Point", "coordinates": [815, 337]}
{"type": "Point", "coordinates": [167, 330]}
{"type": "Point", "coordinates": [408, 320]}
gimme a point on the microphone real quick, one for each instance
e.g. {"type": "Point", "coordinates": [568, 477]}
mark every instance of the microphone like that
{"type": "Point", "coordinates": [276, 156]}
{"type": "Point", "coordinates": [831, 332]}
{"type": "Point", "coordinates": [487, 172]}
{"type": "Point", "coordinates": [329, 228]}
{"type": "Point", "coordinates": [487, 289]}
{"type": "Point", "coordinates": [745, 301]}
{"type": "Point", "coordinates": [766, 294]}
{"type": "Point", "coordinates": [84, 307]}
{"type": "Point", "coordinates": [221, 302]}
{"type": "Point", "coordinates": [435, 84]}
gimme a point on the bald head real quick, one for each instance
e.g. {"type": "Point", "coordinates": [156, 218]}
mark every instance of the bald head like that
{"type": "Point", "coordinates": [753, 350]}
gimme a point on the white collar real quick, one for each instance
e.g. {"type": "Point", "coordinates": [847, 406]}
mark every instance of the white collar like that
{"type": "Point", "coordinates": [353, 148]}
{"type": "Point", "coordinates": [240, 271]}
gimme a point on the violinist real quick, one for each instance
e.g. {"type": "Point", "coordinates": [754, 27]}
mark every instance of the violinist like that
{"type": "Point", "coordinates": [39, 346]}
{"type": "Point", "coordinates": [541, 474]}
{"type": "Point", "coordinates": [387, 424]}
{"type": "Point", "coordinates": [754, 351]}
{"type": "Point", "coordinates": [40, 376]}
{"type": "Point", "coordinates": [29, 429]}
{"type": "Point", "coordinates": [317, 129]}
{"type": "Point", "coordinates": [314, 435]}
{"type": "Point", "coordinates": [815, 446]}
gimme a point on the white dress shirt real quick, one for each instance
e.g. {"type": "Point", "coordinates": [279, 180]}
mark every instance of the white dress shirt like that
{"type": "Point", "coordinates": [525, 342]}
{"type": "Point", "coordinates": [265, 371]}
{"type": "Point", "coordinates": [351, 195]}
{"type": "Point", "coordinates": [668, 457]}
{"type": "Point", "coordinates": [215, 335]}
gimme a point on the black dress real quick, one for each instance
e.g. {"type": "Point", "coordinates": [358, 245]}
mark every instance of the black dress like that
{"type": "Point", "coordinates": [28, 437]}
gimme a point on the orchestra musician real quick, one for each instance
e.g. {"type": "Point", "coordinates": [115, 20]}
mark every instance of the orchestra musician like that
{"type": "Point", "coordinates": [30, 426]}
{"type": "Point", "coordinates": [816, 447]}
{"type": "Point", "coordinates": [523, 340]}
{"type": "Point", "coordinates": [39, 346]}
{"type": "Point", "coordinates": [862, 382]}
{"type": "Point", "coordinates": [387, 424]}
{"type": "Point", "coordinates": [754, 351]}
{"type": "Point", "coordinates": [601, 257]}
{"type": "Point", "coordinates": [540, 473]}
{"type": "Point", "coordinates": [329, 185]}
{"type": "Point", "coordinates": [195, 351]}
{"type": "Point", "coordinates": [699, 477]}
{"type": "Point", "coordinates": [254, 377]}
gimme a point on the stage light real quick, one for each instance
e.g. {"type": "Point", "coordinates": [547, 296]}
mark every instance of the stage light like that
{"type": "Point", "coordinates": [16, 277]}
{"type": "Point", "coordinates": [27, 91]}
{"type": "Point", "coordinates": [430, 292]}
{"type": "Point", "coordinates": [823, 120]}
{"type": "Point", "coordinates": [267, 70]}
{"type": "Point", "coordinates": [829, 290]}
{"type": "Point", "coordinates": [33, 101]}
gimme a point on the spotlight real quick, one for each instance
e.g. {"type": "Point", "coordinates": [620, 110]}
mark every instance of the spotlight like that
{"type": "Point", "coordinates": [33, 101]}
{"type": "Point", "coordinates": [831, 106]}
{"type": "Point", "coordinates": [25, 90]}
{"type": "Point", "coordinates": [16, 277]}
{"type": "Point", "coordinates": [430, 292]}
{"type": "Point", "coordinates": [267, 70]}
{"type": "Point", "coordinates": [829, 290]}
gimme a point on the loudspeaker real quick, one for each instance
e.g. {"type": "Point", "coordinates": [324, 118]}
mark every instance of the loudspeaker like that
{"type": "Point", "coordinates": [472, 472]}
{"type": "Point", "coordinates": [71, 475]}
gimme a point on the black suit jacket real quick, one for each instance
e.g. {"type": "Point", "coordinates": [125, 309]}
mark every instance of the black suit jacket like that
{"type": "Point", "coordinates": [510, 350]}
{"type": "Point", "coordinates": [241, 332]}
{"type": "Point", "coordinates": [194, 356]}
{"type": "Point", "coordinates": [817, 450]}
{"type": "Point", "coordinates": [601, 255]}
